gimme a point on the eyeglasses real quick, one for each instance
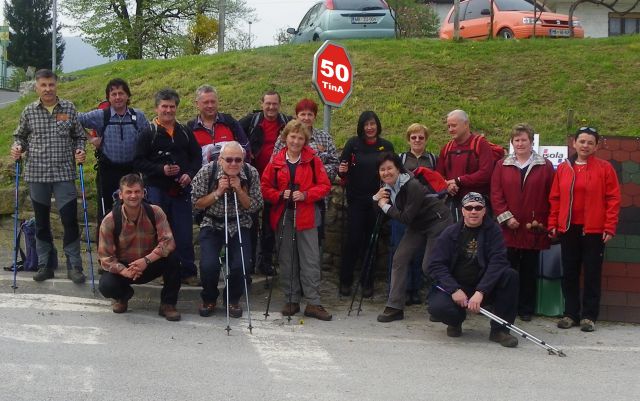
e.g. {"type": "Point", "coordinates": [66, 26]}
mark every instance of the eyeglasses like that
{"type": "Point", "coordinates": [416, 138]}
{"type": "Point", "coordinates": [477, 208]}
{"type": "Point", "coordinates": [236, 160]}
{"type": "Point", "coordinates": [588, 129]}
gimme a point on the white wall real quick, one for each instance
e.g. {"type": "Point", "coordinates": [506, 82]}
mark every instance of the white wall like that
{"type": "Point", "coordinates": [594, 18]}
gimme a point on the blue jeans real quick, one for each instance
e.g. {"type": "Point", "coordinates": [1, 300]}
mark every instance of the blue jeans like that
{"type": "Point", "coordinates": [178, 211]}
{"type": "Point", "coordinates": [211, 242]}
{"type": "Point", "coordinates": [414, 274]}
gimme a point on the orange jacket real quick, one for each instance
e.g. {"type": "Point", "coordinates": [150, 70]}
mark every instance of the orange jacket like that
{"type": "Point", "coordinates": [602, 204]}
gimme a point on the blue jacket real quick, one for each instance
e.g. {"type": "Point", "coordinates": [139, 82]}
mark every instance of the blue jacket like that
{"type": "Point", "coordinates": [492, 256]}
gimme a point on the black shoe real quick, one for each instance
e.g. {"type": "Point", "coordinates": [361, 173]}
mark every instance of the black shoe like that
{"type": "Point", "coordinates": [434, 319]}
{"type": "Point", "coordinates": [235, 310]}
{"type": "Point", "coordinates": [76, 276]}
{"type": "Point", "coordinates": [43, 274]}
{"type": "Point", "coordinates": [454, 331]}
{"type": "Point", "coordinates": [267, 270]}
{"type": "Point", "coordinates": [207, 309]}
{"type": "Point", "coordinates": [525, 317]}
{"type": "Point", "coordinates": [390, 314]}
{"type": "Point", "coordinates": [345, 290]}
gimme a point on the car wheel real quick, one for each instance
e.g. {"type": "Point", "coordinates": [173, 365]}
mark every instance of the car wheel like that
{"type": "Point", "coordinates": [506, 33]}
{"type": "Point", "coordinates": [316, 37]}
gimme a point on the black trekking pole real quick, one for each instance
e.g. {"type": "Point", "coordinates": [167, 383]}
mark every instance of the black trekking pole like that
{"type": "Point", "coordinates": [551, 350]}
{"type": "Point", "coordinates": [86, 229]}
{"type": "Point", "coordinates": [293, 252]}
{"type": "Point", "coordinates": [284, 217]}
{"type": "Point", "coordinates": [367, 266]}
{"type": "Point", "coordinates": [16, 244]}
{"type": "Point", "coordinates": [244, 271]}
{"type": "Point", "coordinates": [226, 259]}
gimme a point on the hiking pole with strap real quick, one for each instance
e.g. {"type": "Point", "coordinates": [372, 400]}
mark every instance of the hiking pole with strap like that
{"type": "Point", "coordinates": [293, 247]}
{"type": "Point", "coordinates": [284, 217]}
{"type": "Point", "coordinates": [367, 265]}
{"type": "Point", "coordinates": [226, 259]}
{"type": "Point", "coordinates": [550, 349]}
{"type": "Point", "coordinates": [16, 242]}
{"type": "Point", "coordinates": [244, 271]}
{"type": "Point", "coordinates": [86, 229]}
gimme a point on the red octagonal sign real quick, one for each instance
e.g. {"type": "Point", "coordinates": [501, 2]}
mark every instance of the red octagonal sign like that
{"type": "Point", "coordinates": [332, 74]}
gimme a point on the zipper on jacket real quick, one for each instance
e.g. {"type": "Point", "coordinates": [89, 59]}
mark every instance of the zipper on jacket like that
{"type": "Point", "coordinates": [573, 181]}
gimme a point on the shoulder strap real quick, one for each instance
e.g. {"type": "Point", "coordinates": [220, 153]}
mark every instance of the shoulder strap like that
{"type": "Point", "coordinates": [254, 121]}
{"type": "Point", "coordinates": [212, 175]}
{"type": "Point", "coordinates": [403, 157]}
{"type": "Point", "coordinates": [475, 144]}
{"type": "Point", "coordinates": [447, 148]}
{"type": "Point", "coordinates": [117, 222]}
{"type": "Point", "coordinates": [150, 213]}
{"type": "Point", "coordinates": [247, 172]}
{"type": "Point", "coordinates": [106, 116]}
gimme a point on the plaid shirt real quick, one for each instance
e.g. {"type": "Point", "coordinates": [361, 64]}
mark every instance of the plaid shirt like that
{"type": "Point", "coordinates": [214, 216]}
{"type": "Point", "coordinates": [51, 140]}
{"type": "Point", "coordinates": [326, 150]}
{"type": "Point", "coordinates": [137, 239]}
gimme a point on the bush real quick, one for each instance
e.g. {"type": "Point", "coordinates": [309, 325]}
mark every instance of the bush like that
{"type": "Point", "coordinates": [417, 21]}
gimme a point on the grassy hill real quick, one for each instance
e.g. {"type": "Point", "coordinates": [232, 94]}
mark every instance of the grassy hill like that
{"type": "Point", "coordinates": [499, 83]}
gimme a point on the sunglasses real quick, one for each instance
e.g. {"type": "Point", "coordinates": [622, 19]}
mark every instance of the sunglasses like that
{"type": "Point", "coordinates": [477, 208]}
{"type": "Point", "coordinates": [230, 160]}
{"type": "Point", "coordinates": [588, 129]}
{"type": "Point", "coordinates": [416, 138]}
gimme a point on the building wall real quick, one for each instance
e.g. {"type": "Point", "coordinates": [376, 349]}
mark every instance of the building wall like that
{"type": "Point", "coordinates": [594, 18]}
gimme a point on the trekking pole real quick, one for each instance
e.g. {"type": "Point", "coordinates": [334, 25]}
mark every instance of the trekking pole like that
{"type": "Point", "coordinates": [86, 229]}
{"type": "Point", "coordinates": [550, 349]}
{"type": "Point", "coordinates": [16, 245]}
{"type": "Point", "coordinates": [367, 263]}
{"type": "Point", "coordinates": [284, 217]}
{"type": "Point", "coordinates": [226, 259]}
{"type": "Point", "coordinates": [293, 254]}
{"type": "Point", "coordinates": [244, 271]}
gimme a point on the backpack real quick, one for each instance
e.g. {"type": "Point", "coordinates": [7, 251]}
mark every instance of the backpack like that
{"type": "Point", "coordinates": [430, 156]}
{"type": "Point", "coordinates": [29, 257]}
{"type": "Point", "coordinates": [432, 180]}
{"type": "Point", "coordinates": [497, 151]}
{"type": "Point", "coordinates": [117, 218]}
{"type": "Point", "coordinates": [106, 119]}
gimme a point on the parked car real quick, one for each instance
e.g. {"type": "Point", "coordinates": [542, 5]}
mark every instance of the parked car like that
{"type": "Point", "coordinates": [345, 19]}
{"type": "Point", "coordinates": [512, 19]}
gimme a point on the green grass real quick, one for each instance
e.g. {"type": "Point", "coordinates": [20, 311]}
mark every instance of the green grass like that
{"type": "Point", "coordinates": [499, 83]}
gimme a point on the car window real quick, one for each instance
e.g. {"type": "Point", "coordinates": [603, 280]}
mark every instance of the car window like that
{"type": "Point", "coordinates": [517, 5]}
{"type": "Point", "coordinates": [474, 9]}
{"type": "Point", "coordinates": [461, 11]}
{"type": "Point", "coordinates": [360, 5]}
{"type": "Point", "coordinates": [310, 17]}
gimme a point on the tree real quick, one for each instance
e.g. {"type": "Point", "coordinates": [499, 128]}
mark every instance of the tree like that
{"type": "Point", "coordinates": [202, 34]}
{"type": "Point", "coordinates": [282, 37]}
{"type": "Point", "coordinates": [413, 19]}
{"type": "Point", "coordinates": [143, 28]}
{"type": "Point", "coordinates": [30, 24]}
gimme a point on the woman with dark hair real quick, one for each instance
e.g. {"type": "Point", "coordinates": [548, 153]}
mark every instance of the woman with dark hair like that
{"type": "Point", "coordinates": [585, 203]}
{"type": "Point", "coordinates": [520, 188]}
{"type": "Point", "coordinates": [405, 199]}
{"type": "Point", "coordinates": [358, 165]}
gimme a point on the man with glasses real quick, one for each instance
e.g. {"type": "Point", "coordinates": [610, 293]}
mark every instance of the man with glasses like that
{"type": "Point", "coordinates": [470, 268]}
{"type": "Point", "coordinates": [228, 175]}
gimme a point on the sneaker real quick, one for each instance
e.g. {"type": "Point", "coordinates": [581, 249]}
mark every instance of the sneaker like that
{"type": "Point", "coordinates": [587, 325]}
{"type": "Point", "coordinates": [504, 338]}
{"type": "Point", "coordinates": [43, 274]}
{"type": "Point", "coordinates": [317, 311]}
{"type": "Point", "coordinates": [169, 312]}
{"type": "Point", "coordinates": [345, 290]}
{"type": "Point", "coordinates": [566, 323]}
{"type": "Point", "coordinates": [390, 314]}
{"type": "Point", "coordinates": [206, 309]}
{"type": "Point", "coordinates": [235, 310]}
{"type": "Point", "coordinates": [290, 309]}
{"type": "Point", "coordinates": [119, 305]}
{"type": "Point", "coordinates": [76, 276]}
{"type": "Point", "coordinates": [454, 331]}
{"type": "Point", "coordinates": [191, 281]}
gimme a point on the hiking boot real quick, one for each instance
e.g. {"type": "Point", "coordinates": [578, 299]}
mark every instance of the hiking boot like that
{"type": "Point", "coordinates": [119, 305]}
{"type": "Point", "coordinates": [43, 274]}
{"type": "Point", "coordinates": [191, 281]}
{"type": "Point", "coordinates": [587, 325]}
{"type": "Point", "coordinates": [318, 312]}
{"type": "Point", "coordinates": [566, 323]}
{"type": "Point", "coordinates": [169, 312]}
{"type": "Point", "coordinates": [76, 276]}
{"type": "Point", "coordinates": [290, 309]}
{"type": "Point", "coordinates": [235, 310]}
{"type": "Point", "coordinates": [454, 331]}
{"type": "Point", "coordinates": [390, 314]}
{"type": "Point", "coordinates": [345, 290]}
{"type": "Point", "coordinates": [504, 338]}
{"type": "Point", "coordinates": [207, 309]}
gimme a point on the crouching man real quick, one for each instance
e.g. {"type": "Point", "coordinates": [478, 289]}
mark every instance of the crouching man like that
{"type": "Point", "coordinates": [469, 265]}
{"type": "Point", "coordinates": [135, 247]}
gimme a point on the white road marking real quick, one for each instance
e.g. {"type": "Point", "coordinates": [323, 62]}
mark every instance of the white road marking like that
{"type": "Point", "coordinates": [38, 333]}
{"type": "Point", "coordinates": [54, 303]}
{"type": "Point", "coordinates": [57, 379]}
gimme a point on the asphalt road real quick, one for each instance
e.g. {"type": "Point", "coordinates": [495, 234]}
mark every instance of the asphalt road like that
{"type": "Point", "coordinates": [72, 347]}
{"type": "Point", "coordinates": [6, 98]}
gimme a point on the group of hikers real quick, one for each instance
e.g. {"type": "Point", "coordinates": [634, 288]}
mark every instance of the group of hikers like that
{"type": "Point", "coordinates": [470, 220]}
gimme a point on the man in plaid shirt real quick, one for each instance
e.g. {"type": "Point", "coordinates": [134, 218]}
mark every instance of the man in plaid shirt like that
{"type": "Point", "coordinates": [52, 140]}
{"type": "Point", "coordinates": [140, 252]}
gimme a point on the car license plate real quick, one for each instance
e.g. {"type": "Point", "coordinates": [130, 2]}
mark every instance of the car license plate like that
{"type": "Point", "coordinates": [364, 20]}
{"type": "Point", "coordinates": [560, 32]}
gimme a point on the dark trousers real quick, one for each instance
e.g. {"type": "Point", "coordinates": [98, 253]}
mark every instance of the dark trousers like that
{"type": "Point", "coordinates": [504, 299]}
{"type": "Point", "coordinates": [361, 217]}
{"type": "Point", "coordinates": [525, 262]}
{"type": "Point", "coordinates": [579, 249]}
{"type": "Point", "coordinates": [108, 182]}
{"type": "Point", "coordinates": [263, 254]}
{"type": "Point", "coordinates": [211, 242]}
{"type": "Point", "coordinates": [113, 285]}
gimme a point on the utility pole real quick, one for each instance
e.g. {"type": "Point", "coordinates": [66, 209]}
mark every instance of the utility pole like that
{"type": "Point", "coordinates": [456, 20]}
{"type": "Point", "coordinates": [54, 34]}
{"type": "Point", "coordinates": [221, 17]}
{"type": "Point", "coordinates": [250, 34]}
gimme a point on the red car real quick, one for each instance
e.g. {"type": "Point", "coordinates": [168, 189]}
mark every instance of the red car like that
{"type": "Point", "coordinates": [512, 19]}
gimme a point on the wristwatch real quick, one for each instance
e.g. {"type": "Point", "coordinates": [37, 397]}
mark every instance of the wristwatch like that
{"type": "Point", "coordinates": [146, 259]}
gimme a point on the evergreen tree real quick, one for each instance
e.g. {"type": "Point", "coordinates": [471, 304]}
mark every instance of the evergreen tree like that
{"type": "Point", "coordinates": [30, 24]}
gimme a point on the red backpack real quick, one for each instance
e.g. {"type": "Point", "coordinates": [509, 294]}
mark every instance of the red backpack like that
{"type": "Point", "coordinates": [431, 179]}
{"type": "Point", "coordinates": [497, 151]}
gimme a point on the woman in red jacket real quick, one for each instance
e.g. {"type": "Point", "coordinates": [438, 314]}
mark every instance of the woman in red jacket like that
{"type": "Point", "coordinates": [520, 188]}
{"type": "Point", "coordinates": [293, 182]}
{"type": "Point", "coordinates": [585, 203]}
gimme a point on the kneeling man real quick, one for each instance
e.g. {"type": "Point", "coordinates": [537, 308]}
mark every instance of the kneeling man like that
{"type": "Point", "coordinates": [470, 267]}
{"type": "Point", "coordinates": [135, 246]}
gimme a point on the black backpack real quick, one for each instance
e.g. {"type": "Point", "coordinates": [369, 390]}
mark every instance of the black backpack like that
{"type": "Point", "coordinates": [198, 214]}
{"type": "Point", "coordinates": [117, 218]}
{"type": "Point", "coordinates": [106, 119]}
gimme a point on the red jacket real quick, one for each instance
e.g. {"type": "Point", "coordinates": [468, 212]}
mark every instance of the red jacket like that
{"type": "Point", "coordinates": [526, 202]}
{"type": "Point", "coordinates": [311, 179]}
{"type": "Point", "coordinates": [602, 204]}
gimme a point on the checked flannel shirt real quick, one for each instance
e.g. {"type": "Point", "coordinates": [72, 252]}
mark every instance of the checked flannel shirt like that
{"type": "Point", "coordinates": [214, 216]}
{"type": "Point", "coordinates": [326, 150]}
{"type": "Point", "coordinates": [50, 140]}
